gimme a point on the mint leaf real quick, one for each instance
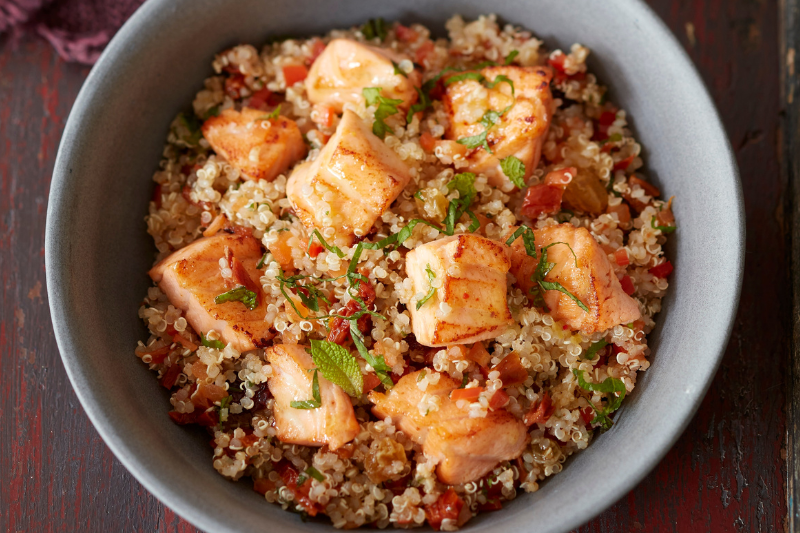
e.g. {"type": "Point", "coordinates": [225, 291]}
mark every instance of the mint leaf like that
{"type": "Point", "coordinates": [431, 290]}
{"type": "Point", "coordinates": [219, 345]}
{"type": "Point", "coordinates": [310, 404]}
{"type": "Point", "coordinates": [316, 474]}
{"type": "Point", "coordinates": [514, 169]}
{"type": "Point", "coordinates": [333, 249]}
{"type": "Point", "coordinates": [375, 28]}
{"type": "Point", "coordinates": [528, 239]}
{"type": "Point", "coordinates": [464, 183]}
{"type": "Point", "coordinates": [610, 385]}
{"type": "Point", "coordinates": [272, 115]}
{"type": "Point", "coordinates": [386, 108]}
{"type": "Point", "coordinates": [664, 229]}
{"type": "Point", "coordinates": [382, 370]}
{"type": "Point", "coordinates": [556, 286]}
{"type": "Point", "coordinates": [239, 294]}
{"type": "Point", "coordinates": [212, 112]}
{"type": "Point", "coordinates": [594, 348]}
{"type": "Point", "coordinates": [477, 76]}
{"type": "Point", "coordinates": [260, 264]}
{"type": "Point", "coordinates": [398, 70]}
{"type": "Point", "coordinates": [338, 366]}
{"type": "Point", "coordinates": [502, 78]}
{"type": "Point", "coordinates": [510, 57]}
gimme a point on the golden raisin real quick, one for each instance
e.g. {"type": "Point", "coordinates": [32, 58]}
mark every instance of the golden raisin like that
{"type": "Point", "coordinates": [586, 193]}
{"type": "Point", "coordinates": [385, 460]}
{"type": "Point", "coordinates": [432, 204]}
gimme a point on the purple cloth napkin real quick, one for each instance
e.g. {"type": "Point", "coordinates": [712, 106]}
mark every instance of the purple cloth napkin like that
{"type": "Point", "coordinates": [77, 29]}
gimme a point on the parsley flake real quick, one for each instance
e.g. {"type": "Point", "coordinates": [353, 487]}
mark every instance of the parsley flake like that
{"type": "Point", "coordinates": [594, 348]}
{"type": "Point", "coordinates": [664, 229]}
{"type": "Point", "coordinates": [610, 385]}
{"type": "Point", "coordinates": [375, 29]}
{"type": "Point", "coordinates": [272, 115]}
{"type": "Point", "coordinates": [510, 57]}
{"type": "Point", "coordinates": [316, 474]}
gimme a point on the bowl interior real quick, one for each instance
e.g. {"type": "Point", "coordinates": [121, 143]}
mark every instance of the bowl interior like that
{"type": "Point", "coordinates": [98, 252]}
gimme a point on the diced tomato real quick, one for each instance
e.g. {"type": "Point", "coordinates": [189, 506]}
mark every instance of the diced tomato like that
{"type": "Point", "coordinates": [158, 355]}
{"type": "Point", "coordinates": [208, 418]}
{"type": "Point", "coordinates": [607, 118]}
{"type": "Point", "coordinates": [282, 252]}
{"type": "Point", "coordinates": [248, 440]}
{"type": "Point", "coordinates": [422, 52]}
{"type": "Point", "coordinates": [621, 257]}
{"type": "Point", "coordinates": [340, 328]}
{"type": "Point", "coordinates": [560, 177]}
{"type": "Point", "coordinates": [177, 337]}
{"type": "Point", "coordinates": [587, 414]}
{"type": "Point", "coordinates": [623, 212]}
{"type": "Point", "coordinates": [170, 377]}
{"type": "Point", "coordinates": [556, 60]}
{"type": "Point", "coordinates": [234, 85]}
{"type": "Point", "coordinates": [398, 486]}
{"type": "Point", "coordinates": [542, 199]}
{"type": "Point", "coordinates": [370, 382]}
{"type": "Point", "coordinates": [649, 188]}
{"type": "Point", "coordinates": [511, 370]}
{"type": "Point", "coordinates": [263, 485]}
{"type": "Point", "coordinates": [316, 50]}
{"type": "Point", "coordinates": [492, 504]}
{"type": "Point", "coordinates": [448, 506]}
{"type": "Point", "coordinates": [294, 73]}
{"type": "Point", "coordinates": [206, 394]}
{"type": "Point", "coordinates": [406, 34]}
{"type": "Point", "coordinates": [182, 419]}
{"type": "Point", "coordinates": [663, 270]}
{"type": "Point", "coordinates": [157, 196]}
{"type": "Point", "coordinates": [540, 412]}
{"type": "Point", "coordinates": [499, 399]}
{"type": "Point", "coordinates": [427, 142]}
{"type": "Point", "coordinates": [479, 354]}
{"type": "Point", "coordinates": [470, 394]}
{"type": "Point", "coordinates": [627, 285]}
{"type": "Point", "coordinates": [324, 116]}
{"type": "Point", "coordinates": [260, 99]}
{"type": "Point", "coordinates": [625, 163]}
{"type": "Point", "coordinates": [290, 476]}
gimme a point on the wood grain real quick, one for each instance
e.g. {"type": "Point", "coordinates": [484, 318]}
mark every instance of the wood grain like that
{"type": "Point", "coordinates": [726, 473]}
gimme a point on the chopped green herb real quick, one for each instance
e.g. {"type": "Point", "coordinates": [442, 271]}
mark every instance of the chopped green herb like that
{"type": "Point", "coordinates": [375, 28]}
{"type": "Point", "coordinates": [612, 386]}
{"type": "Point", "coordinates": [382, 370]}
{"type": "Point", "coordinates": [510, 57]}
{"type": "Point", "coordinates": [464, 183]}
{"type": "Point", "coordinates": [261, 261]}
{"type": "Point", "coordinates": [338, 366]}
{"type": "Point", "coordinates": [386, 108]}
{"type": "Point", "coordinates": [470, 75]}
{"type": "Point", "coordinates": [664, 229]}
{"type": "Point", "coordinates": [502, 78]}
{"type": "Point", "coordinates": [464, 381]}
{"type": "Point", "coordinates": [421, 375]}
{"type": "Point", "coordinates": [333, 249]}
{"type": "Point", "coordinates": [528, 239]}
{"type": "Point", "coordinates": [431, 290]}
{"type": "Point", "coordinates": [398, 70]}
{"type": "Point", "coordinates": [316, 474]}
{"type": "Point", "coordinates": [302, 478]}
{"type": "Point", "coordinates": [193, 125]}
{"type": "Point", "coordinates": [272, 115]}
{"type": "Point", "coordinates": [225, 402]}
{"type": "Point", "coordinates": [213, 112]}
{"type": "Point", "coordinates": [423, 103]}
{"type": "Point", "coordinates": [239, 294]}
{"type": "Point", "coordinates": [208, 343]}
{"type": "Point", "coordinates": [308, 293]}
{"type": "Point", "coordinates": [488, 120]}
{"type": "Point", "coordinates": [514, 169]}
{"type": "Point", "coordinates": [316, 403]}
{"type": "Point", "coordinates": [594, 348]}
{"type": "Point", "coordinates": [556, 286]}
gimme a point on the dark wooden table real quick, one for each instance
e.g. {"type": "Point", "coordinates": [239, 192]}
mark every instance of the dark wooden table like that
{"type": "Point", "coordinates": [728, 472]}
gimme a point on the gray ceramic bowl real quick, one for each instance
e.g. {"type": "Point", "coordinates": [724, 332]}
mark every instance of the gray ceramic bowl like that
{"type": "Point", "coordinates": [97, 250]}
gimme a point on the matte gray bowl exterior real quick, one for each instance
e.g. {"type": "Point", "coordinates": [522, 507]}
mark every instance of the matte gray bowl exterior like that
{"type": "Point", "coordinates": [97, 250]}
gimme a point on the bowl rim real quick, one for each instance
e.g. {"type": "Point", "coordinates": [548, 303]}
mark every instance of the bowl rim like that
{"type": "Point", "coordinates": [57, 271]}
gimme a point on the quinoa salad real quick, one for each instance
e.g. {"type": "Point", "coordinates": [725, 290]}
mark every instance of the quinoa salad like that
{"type": "Point", "coordinates": [400, 279]}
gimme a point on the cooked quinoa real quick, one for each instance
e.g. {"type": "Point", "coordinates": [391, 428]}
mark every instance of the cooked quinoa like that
{"type": "Point", "coordinates": [382, 477]}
